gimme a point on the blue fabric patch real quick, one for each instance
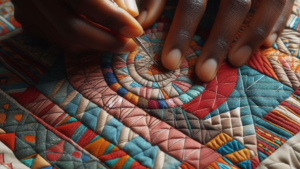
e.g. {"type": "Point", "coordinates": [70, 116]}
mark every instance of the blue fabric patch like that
{"type": "Point", "coordinates": [162, 104]}
{"type": "Point", "coordinates": [90, 118]}
{"type": "Point", "coordinates": [261, 156]}
{"type": "Point", "coordinates": [222, 166]}
{"type": "Point", "coordinates": [142, 151]}
{"type": "Point", "coordinates": [245, 164]}
{"type": "Point", "coordinates": [230, 147]}
{"type": "Point", "coordinates": [110, 78]}
{"type": "Point", "coordinates": [155, 85]}
{"type": "Point", "coordinates": [122, 91]}
{"type": "Point", "coordinates": [179, 91]}
{"type": "Point", "coordinates": [256, 95]}
{"type": "Point", "coordinates": [112, 131]}
{"type": "Point", "coordinates": [135, 84]}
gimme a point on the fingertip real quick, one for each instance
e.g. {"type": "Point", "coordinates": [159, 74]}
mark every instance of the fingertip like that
{"type": "Point", "coordinates": [172, 59]}
{"type": "Point", "coordinates": [130, 45]}
{"type": "Point", "coordinates": [132, 8]}
{"type": "Point", "coordinates": [129, 5]}
{"type": "Point", "coordinates": [207, 71]}
{"type": "Point", "coordinates": [131, 31]}
{"type": "Point", "coordinates": [142, 17]}
{"type": "Point", "coordinates": [270, 40]}
{"type": "Point", "coordinates": [239, 57]}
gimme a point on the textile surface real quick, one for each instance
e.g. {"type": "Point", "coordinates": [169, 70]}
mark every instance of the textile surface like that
{"type": "Point", "coordinates": [119, 110]}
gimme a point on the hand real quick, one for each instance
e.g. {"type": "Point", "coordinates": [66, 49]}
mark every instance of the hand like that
{"type": "Point", "coordinates": [80, 25]}
{"type": "Point", "coordinates": [266, 25]}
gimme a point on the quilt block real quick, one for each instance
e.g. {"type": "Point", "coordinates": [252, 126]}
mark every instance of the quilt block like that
{"type": "Point", "coordinates": [118, 110]}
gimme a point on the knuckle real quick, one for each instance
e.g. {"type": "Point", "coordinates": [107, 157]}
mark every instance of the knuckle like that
{"type": "Point", "coordinates": [242, 4]}
{"type": "Point", "coordinates": [279, 4]}
{"type": "Point", "coordinates": [261, 33]}
{"type": "Point", "coordinates": [194, 5]}
{"type": "Point", "coordinates": [222, 44]}
{"type": "Point", "coordinates": [183, 35]}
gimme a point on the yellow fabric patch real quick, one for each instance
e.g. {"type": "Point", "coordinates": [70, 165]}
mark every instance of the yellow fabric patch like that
{"type": "Point", "coordinates": [238, 156]}
{"type": "Point", "coordinates": [219, 141]}
{"type": "Point", "coordinates": [115, 86]}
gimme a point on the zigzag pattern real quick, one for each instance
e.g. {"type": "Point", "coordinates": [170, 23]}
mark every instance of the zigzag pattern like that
{"type": "Point", "coordinates": [41, 106]}
{"type": "Point", "coordinates": [22, 130]}
{"type": "Point", "coordinates": [248, 96]}
{"type": "Point", "coordinates": [107, 126]}
{"type": "Point", "coordinates": [187, 123]}
{"type": "Point", "coordinates": [86, 76]}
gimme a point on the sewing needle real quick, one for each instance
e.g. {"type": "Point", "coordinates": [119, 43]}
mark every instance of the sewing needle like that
{"type": "Point", "coordinates": [139, 43]}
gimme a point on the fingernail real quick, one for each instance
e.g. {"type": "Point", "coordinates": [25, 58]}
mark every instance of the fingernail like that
{"type": "Point", "coordinates": [130, 31]}
{"type": "Point", "coordinates": [172, 60]}
{"type": "Point", "coordinates": [207, 71]}
{"type": "Point", "coordinates": [241, 56]}
{"type": "Point", "coordinates": [270, 40]}
{"type": "Point", "coordinates": [132, 7]}
{"type": "Point", "coordinates": [142, 17]}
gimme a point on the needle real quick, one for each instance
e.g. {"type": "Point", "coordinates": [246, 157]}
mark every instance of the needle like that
{"type": "Point", "coordinates": [139, 43]}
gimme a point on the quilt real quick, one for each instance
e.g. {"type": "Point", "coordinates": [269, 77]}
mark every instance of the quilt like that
{"type": "Point", "coordinates": [119, 111]}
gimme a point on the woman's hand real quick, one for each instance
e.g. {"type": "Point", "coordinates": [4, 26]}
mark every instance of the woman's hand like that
{"type": "Point", "coordinates": [80, 25]}
{"type": "Point", "coordinates": [265, 27]}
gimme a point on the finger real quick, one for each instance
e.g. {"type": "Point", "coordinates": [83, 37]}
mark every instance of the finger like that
{"type": "Point", "coordinates": [229, 18]}
{"type": "Point", "coordinates": [129, 6]}
{"type": "Point", "coordinates": [150, 12]}
{"type": "Point", "coordinates": [43, 28]}
{"type": "Point", "coordinates": [186, 19]}
{"type": "Point", "coordinates": [80, 31]}
{"type": "Point", "coordinates": [109, 15]}
{"type": "Point", "coordinates": [258, 30]}
{"type": "Point", "coordinates": [280, 24]}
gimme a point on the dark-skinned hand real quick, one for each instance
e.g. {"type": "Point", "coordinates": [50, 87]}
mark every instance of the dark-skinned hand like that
{"type": "Point", "coordinates": [266, 25]}
{"type": "Point", "coordinates": [82, 25]}
{"type": "Point", "coordinates": [79, 25]}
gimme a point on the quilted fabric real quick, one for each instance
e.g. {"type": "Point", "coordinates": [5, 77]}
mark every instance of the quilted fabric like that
{"type": "Point", "coordinates": [118, 110]}
{"type": "Point", "coordinates": [8, 159]}
{"type": "Point", "coordinates": [276, 160]}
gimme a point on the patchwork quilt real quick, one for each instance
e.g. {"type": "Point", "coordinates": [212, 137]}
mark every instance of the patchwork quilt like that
{"type": "Point", "coordinates": [119, 111]}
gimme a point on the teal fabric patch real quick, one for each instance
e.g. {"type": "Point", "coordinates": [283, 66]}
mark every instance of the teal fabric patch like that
{"type": "Point", "coordinates": [245, 164]}
{"type": "Point", "coordinates": [222, 166]}
{"type": "Point", "coordinates": [142, 151]}
{"type": "Point", "coordinates": [256, 95]}
{"type": "Point", "coordinates": [230, 147]}
{"type": "Point", "coordinates": [112, 131]}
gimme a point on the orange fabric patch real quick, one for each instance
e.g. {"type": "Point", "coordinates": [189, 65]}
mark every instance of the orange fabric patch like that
{"type": "Point", "coordinates": [66, 119]}
{"type": "Point", "coordinates": [5, 107]}
{"type": "Point", "coordinates": [120, 77]}
{"type": "Point", "coordinates": [132, 55]}
{"type": "Point", "coordinates": [238, 156]}
{"type": "Point", "coordinates": [219, 141]}
{"type": "Point", "coordinates": [153, 70]}
{"type": "Point", "coordinates": [115, 86]}
{"type": "Point", "coordinates": [98, 147]}
{"type": "Point", "coordinates": [186, 165]}
{"type": "Point", "coordinates": [121, 162]}
{"type": "Point", "coordinates": [164, 93]}
{"type": "Point", "coordinates": [132, 98]}
{"type": "Point", "coordinates": [18, 117]}
{"type": "Point", "coordinates": [2, 118]}
{"type": "Point", "coordinates": [29, 139]}
{"type": "Point", "coordinates": [214, 165]}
